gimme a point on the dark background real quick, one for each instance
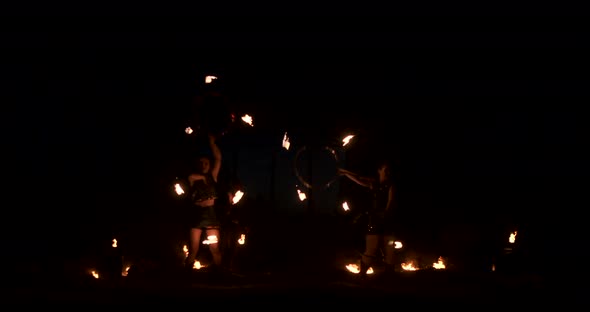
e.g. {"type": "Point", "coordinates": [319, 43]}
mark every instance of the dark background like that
{"type": "Point", "coordinates": [486, 125]}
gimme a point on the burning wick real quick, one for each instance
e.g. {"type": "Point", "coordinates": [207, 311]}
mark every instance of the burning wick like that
{"type": "Point", "coordinates": [197, 265]}
{"type": "Point", "coordinates": [94, 274]}
{"type": "Point", "coordinates": [126, 271]}
{"type": "Point", "coordinates": [397, 244]}
{"type": "Point", "coordinates": [345, 206]}
{"type": "Point", "coordinates": [209, 79]}
{"type": "Point", "coordinates": [237, 196]}
{"type": "Point", "coordinates": [409, 266]}
{"type": "Point", "coordinates": [440, 264]}
{"type": "Point", "coordinates": [242, 239]}
{"type": "Point", "coordinates": [185, 250]}
{"type": "Point", "coordinates": [302, 196]}
{"type": "Point", "coordinates": [188, 130]}
{"type": "Point", "coordinates": [114, 243]}
{"type": "Point", "coordinates": [512, 237]}
{"type": "Point", "coordinates": [347, 139]}
{"type": "Point", "coordinates": [211, 239]}
{"type": "Point", "coordinates": [178, 189]}
{"type": "Point", "coordinates": [247, 119]}
{"type": "Point", "coordinates": [286, 143]}
{"type": "Point", "coordinates": [355, 268]}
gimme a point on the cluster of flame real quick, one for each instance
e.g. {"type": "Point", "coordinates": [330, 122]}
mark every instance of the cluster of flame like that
{"type": "Point", "coordinates": [211, 239]}
{"type": "Point", "coordinates": [411, 264]}
{"type": "Point", "coordinates": [286, 144]}
{"type": "Point", "coordinates": [124, 271]}
{"type": "Point", "coordinates": [406, 266]}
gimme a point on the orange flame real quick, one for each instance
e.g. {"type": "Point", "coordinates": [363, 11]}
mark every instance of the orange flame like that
{"type": "Point", "coordinates": [396, 244]}
{"type": "Point", "coordinates": [178, 189]}
{"type": "Point", "coordinates": [247, 119]}
{"type": "Point", "coordinates": [209, 79]}
{"type": "Point", "coordinates": [345, 206]}
{"type": "Point", "coordinates": [355, 268]}
{"type": "Point", "coordinates": [439, 264]}
{"type": "Point", "coordinates": [347, 139]}
{"type": "Point", "coordinates": [237, 196]}
{"type": "Point", "coordinates": [94, 274]}
{"type": "Point", "coordinates": [286, 143]}
{"type": "Point", "coordinates": [197, 265]}
{"type": "Point", "coordinates": [512, 237]}
{"type": "Point", "coordinates": [302, 195]}
{"type": "Point", "coordinates": [211, 239]}
{"type": "Point", "coordinates": [409, 266]}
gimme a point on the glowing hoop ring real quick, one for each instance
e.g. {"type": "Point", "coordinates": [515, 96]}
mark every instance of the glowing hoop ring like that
{"type": "Point", "coordinates": [298, 175]}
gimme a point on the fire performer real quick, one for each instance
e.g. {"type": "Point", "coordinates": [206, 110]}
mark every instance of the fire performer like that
{"type": "Point", "coordinates": [380, 222]}
{"type": "Point", "coordinates": [203, 210]}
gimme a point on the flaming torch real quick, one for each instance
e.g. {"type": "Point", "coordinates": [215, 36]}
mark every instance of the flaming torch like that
{"type": "Point", "coordinates": [178, 189]}
{"type": "Point", "coordinates": [345, 206]}
{"type": "Point", "coordinates": [286, 143]}
{"type": "Point", "coordinates": [94, 274]}
{"type": "Point", "coordinates": [302, 195]}
{"type": "Point", "coordinates": [511, 241]}
{"type": "Point", "coordinates": [211, 239]}
{"type": "Point", "coordinates": [248, 119]}
{"type": "Point", "coordinates": [347, 139]}
{"type": "Point", "coordinates": [512, 237]}
{"type": "Point", "coordinates": [395, 244]}
{"type": "Point", "coordinates": [237, 196]}
{"type": "Point", "coordinates": [125, 271]}
{"type": "Point", "coordinates": [209, 79]}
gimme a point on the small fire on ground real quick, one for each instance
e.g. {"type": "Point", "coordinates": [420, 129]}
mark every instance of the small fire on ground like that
{"type": "Point", "coordinates": [411, 265]}
{"type": "Point", "coordinates": [356, 269]}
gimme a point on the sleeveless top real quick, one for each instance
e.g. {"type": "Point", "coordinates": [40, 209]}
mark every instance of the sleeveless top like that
{"type": "Point", "coordinates": [203, 189]}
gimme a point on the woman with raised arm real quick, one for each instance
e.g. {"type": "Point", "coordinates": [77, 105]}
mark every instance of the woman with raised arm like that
{"type": "Point", "coordinates": [381, 223]}
{"type": "Point", "coordinates": [203, 212]}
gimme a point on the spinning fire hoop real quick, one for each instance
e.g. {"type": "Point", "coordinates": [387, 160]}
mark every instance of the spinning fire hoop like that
{"type": "Point", "coordinates": [297, 158]}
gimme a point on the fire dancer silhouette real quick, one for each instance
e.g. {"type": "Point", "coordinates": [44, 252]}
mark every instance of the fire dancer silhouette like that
{"type": "Point", "coordinates": [203, 211]}
{"type": "Point", "coordinates": [381, 222]}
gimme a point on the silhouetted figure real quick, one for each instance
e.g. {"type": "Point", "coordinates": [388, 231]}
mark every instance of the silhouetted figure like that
{"type": "Point", "coordinates": [202, 214]}
{"type": "Point", "coordinates": [381, 213]}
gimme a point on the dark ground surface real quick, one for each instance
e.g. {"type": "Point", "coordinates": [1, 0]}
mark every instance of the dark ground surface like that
{"type": "Point", "coordinates": [296, 271]}
{"type": "Point", "coordinates": [299, 289]}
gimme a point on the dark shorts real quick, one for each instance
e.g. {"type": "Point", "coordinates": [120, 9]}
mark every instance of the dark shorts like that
{"type": "Point", "coordinates": [204, 217]}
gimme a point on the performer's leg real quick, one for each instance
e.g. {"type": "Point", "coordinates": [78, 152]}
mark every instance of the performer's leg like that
{"type": "Point", "coordinates": [195, 242]}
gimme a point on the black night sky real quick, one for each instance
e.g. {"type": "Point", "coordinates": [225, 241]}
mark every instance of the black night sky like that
{"type": "Point", "coordinates": [486, 127]}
